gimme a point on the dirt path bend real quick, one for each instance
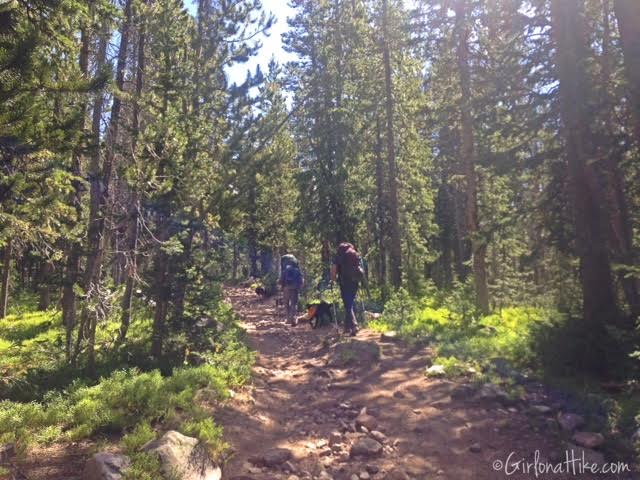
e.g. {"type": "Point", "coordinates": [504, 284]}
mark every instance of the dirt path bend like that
{"type": "Point", "coordinates": [303, 401]}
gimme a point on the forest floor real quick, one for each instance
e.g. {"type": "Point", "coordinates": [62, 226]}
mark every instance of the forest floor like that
{"type": "Point", "coordinates": [304, 400]}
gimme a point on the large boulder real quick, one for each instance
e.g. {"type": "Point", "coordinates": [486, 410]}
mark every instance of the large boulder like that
{"type": "Point", "coordinates": [183, 456]}
{"type": "Point", "coordinates": [105, 466]}
{"type": "Point", "coordinates": [355, 353]}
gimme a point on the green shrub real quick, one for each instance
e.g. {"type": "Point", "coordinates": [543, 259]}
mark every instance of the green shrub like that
{"type": "Point", "coordinates": [144, 466]}
{"type": "Point", "coordinates": [210, 434]}
{"type": "Point", "coordinates": [118, 402]}
{"type": "Point", "coordinates": [453, 367]}
{"type": "Point", "coordinates": [459, 333]}
{"type": "Point", "coordinates": [137, 438]}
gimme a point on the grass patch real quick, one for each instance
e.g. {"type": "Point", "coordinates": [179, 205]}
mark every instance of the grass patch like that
{"type": "Point", "coordinates": [59, 405]}
{"type": "Point", "coordinates": [462, 336]}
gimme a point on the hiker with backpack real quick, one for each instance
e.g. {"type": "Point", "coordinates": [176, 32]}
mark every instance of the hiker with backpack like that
{"type": "Point", "coordinates": [291, 281]}
{"type": "Point", "coordinates": [347, 269]}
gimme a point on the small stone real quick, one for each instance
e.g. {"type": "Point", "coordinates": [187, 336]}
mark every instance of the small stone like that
{"type": "Point", "coordinates": [293, 477]}
{"type": "Point", "coordinates": [570, 421]}
{"type": "Point", "coordinates": [379, 436]}
{"type": "Point", "coordinates": [372, 469]}
{"type": "Point", "coordinates": [490, 392]}
{"type": "Point", "coordinates": [475, 448]}
{"type": "Point", "coordinates": [588, 439]}
{"type": "Point", "coordinates": [335, 438]}
{"type": "Point", "coordinates": [366, 447]}
{"type": "Point", "coordinates": [325, 452]}
{"type": "Point", "coordinates": [354, 477]}
{"type": "Point", "coordinates": [364, 476]}
{"type": "Point", "coordinates": [398, 394]}
{"type": "Point", "coordinates": [462, 392]}
{"type": "Point", "coordinates": [436, 371]}
{"type": "Point", "coordinates": [389, 336]}
{"type": "Point", "coordinates": [276, 456]}
{"type": "Point", "coordinates": [324, 475]}
{"type": "Point", "coordinates": [541, 409]}
{"type": "Point", "coordinates": [367, 421]}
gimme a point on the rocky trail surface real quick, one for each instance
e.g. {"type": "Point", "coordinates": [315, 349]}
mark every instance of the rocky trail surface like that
{"type": "Point", "coordinates": [327, 407]}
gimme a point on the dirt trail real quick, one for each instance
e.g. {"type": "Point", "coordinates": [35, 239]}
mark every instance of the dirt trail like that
{"type": "Point", "coordinates": [296, 401]}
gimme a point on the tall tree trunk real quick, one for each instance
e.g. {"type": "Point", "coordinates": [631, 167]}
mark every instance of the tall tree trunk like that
{"type": "Point", "coordinates": [599, 301]}
{"type": "Point", "coordinates": [469, 160]}
{"type": "Point", "coordinates": [71, 273]}
{"type": "Point", "coordinates": [94, 237]}
{"type": "Point", "coordinates": [620, 230]}
{"type": "Point", "coordinates": [394, 218]}
{"type": "Point", "coordinates": [101, 179]}
{"type": "Point", "coordinates": [381, 215]}
{"type": "Point", "coordinates": [628, 16]}
{"type": "Point", "coordinates": [134, 210]}
{"type": "Point", "coordinates": [6, 276]}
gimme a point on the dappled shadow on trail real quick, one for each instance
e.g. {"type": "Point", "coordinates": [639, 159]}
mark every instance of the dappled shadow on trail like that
{"type": "Point", "coordinates": [298, 397]}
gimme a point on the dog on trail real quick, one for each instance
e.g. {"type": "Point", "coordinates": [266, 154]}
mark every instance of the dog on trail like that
{"type": "Point", "coordinates": [318, 314]}
{"type": "Point", "coordinates": [261, 292]}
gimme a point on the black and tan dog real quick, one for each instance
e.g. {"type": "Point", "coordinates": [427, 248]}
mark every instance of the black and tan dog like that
{"type": "Point", "coordinates": [318, 314]}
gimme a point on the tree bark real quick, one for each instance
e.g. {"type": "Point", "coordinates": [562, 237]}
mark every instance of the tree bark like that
{"type": "Point", "coordinates": [394, 218]}
{"type": "Point", "coordinates": [134, 211]}
{"type": "Point", "coordinates": [94, 237]}
{"type": "Point", "coordinates": [620, 230]}
{"type": "Point", "coordinates": [6, 276]}
{"type": "Point", "coordinates": [381, 216]}
{"type": "Point", "coordinates": [628, 16]}
{"type": "Point", "coordinates": [469, 160]}
{"type": "Point", "coordinates": [72, 267]}
{"type": "Point", "coordinates": [599, 301]}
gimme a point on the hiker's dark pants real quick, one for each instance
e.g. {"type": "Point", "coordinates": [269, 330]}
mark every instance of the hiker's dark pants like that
{"type": "Point", "coordinates": [290, 297]}
{"type": "Point", "coordinates": [348, 292]}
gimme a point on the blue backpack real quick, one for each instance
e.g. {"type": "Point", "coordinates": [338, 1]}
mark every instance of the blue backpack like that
{"type": "Point", "coordinates": [292, 277]}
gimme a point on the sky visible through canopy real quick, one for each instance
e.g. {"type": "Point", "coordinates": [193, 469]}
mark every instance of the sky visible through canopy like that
{"type": "Point", "coordinates": [271, 45]}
